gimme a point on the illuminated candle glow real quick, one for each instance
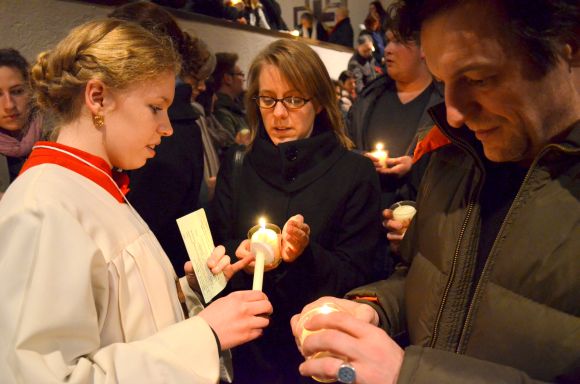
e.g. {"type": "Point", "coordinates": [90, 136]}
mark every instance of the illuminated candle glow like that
{"type": "Point", "coordinates": [380, 154]}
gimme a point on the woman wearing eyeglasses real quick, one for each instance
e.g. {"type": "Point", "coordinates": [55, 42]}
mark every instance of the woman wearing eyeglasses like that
{"type": "Point", "coordinates": [299, 174]}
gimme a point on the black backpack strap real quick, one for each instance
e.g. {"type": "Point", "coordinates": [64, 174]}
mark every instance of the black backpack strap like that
{"type": "Point", "coordinates": [236, 184]}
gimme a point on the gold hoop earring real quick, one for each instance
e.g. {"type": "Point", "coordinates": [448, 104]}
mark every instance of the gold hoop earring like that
{"type": "Point", "coordinates": [99, 121]}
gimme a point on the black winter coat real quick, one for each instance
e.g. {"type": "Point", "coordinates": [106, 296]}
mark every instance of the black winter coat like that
{"type": "Point", "coordinates": [342, 33]}
{"type": "Point", "coordinates": [337, 192]}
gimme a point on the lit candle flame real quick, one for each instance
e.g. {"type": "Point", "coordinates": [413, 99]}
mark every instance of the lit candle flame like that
{"type": "Point", "coordinates": [295, 33]}
{"type": "Point", "coordinates": [379, 146]}
{"type": "Point", "coordinates": [262, 222]}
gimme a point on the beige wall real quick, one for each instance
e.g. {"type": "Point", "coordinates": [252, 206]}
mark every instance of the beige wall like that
{"type": "Point", "coordinates": [32, 26]}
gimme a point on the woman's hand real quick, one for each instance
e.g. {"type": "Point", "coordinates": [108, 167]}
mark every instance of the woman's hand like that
{"type": "Point", "coordinates": [295, 238]}
{"type": "Point", "coordinates": [217, 262]}
{"type": "Point", "coordinates": [238, 317]}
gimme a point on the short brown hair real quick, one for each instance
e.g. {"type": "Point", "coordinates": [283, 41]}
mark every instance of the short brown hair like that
{"type": "Point", "coordinates": [225, 63]}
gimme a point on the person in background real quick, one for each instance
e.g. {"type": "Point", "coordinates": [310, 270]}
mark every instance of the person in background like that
{"type": "Point", "coordinates": [342, 32]}
{"type": "Point", "coordinates": [229, 81]}
{"type": "Point", "coordinates": [488, 291]}
{"type": "Point", "coordinates": [294, 173]}
{"type": "Point", "coordinates": [20, 122]}
{"type": "Point", "coordinates": [311, 28]}
{"type": "Point", "coordinates": [168, 186]}
{"type": "Point", "coordinates": [377, 11]}
{"type": "Point", "coordinates": [255, 15]}
{"type": "Point", "coordinates": [216, 140]}
{"type": "Point", "coordinates": [348, 82]}
{"type": "Point", "coordinates": [90, 295]}
{"type": "Point", "coordinates": [343, 99]}
{"type": "Point", "coordinates": [394, 110]}
{"type": "Point", "coordinates": [362, 64]}
{"type": "Point", "coordinates": [374, 30]}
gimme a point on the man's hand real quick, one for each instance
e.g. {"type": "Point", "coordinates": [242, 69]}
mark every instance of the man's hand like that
{"type": "Point", "coordinates": [375, 357]}
{"type": "Point", "coordinates": [398, 166]}
{"type": "Point", "coordinates": [360, 311]}
{"type": "Point", "coordinates": [394, 229]}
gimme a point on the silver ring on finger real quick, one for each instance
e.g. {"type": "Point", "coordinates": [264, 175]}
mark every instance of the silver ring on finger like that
{"type": "Point", "coordinates": [346, 373]}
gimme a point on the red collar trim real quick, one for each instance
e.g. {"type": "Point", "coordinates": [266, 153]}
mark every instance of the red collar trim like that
{"type": "Point", "coordinates": [48, 156]}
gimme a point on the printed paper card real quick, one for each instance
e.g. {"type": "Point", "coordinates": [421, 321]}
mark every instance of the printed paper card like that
{"type": "Point", "coordinates": [195, 232]}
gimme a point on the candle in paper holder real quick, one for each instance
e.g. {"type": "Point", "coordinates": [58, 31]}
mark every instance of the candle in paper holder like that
{"type": "Point", "coordinates": [404, 211]}
{"type": "Point", "coordinates": [265, 244]}
{"type": "Point", "coordinates": [380, 154]}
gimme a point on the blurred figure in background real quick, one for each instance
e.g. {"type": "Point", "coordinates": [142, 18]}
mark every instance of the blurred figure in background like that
{"type": "Point", "coordinates": [311, 28]}
{"type": "Point", "coordinates": [342, 32]}
{"type": "Point", "coordinates": [362, 64]}
{"type": "Point", "coordinates": [348, 83]}
{"type": "Point", "coordinates": [229, 80]}
{"type": "Point", "coordinates": [20, 123]}
{"type": "Point", "coordinates": [374, 30]}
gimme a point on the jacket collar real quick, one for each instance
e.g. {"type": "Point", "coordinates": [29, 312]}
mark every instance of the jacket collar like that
{"type": "Point", "coordinates": [466, 139]}
{"type": "Point", "coordinates": [293, 165]}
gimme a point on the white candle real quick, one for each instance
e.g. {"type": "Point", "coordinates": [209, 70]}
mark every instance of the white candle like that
{"type": "Point", "coordinates": [404, 214]}
{"type": "Point", "coordinates": [380, 154]}
{"type": "Point", "coordinates": [266, 246]}
{"type": "Point", "coordinates": [258, 281]}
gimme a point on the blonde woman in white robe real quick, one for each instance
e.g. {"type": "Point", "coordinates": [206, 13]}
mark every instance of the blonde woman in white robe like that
{"type": "Point", "coordinates": [88, 295]}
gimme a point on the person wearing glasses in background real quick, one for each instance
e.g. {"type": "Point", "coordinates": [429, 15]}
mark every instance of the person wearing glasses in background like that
{"type": "Point", "coordinates": [299, 173]}
{"type": "Point", "coordinates": [229, 80]}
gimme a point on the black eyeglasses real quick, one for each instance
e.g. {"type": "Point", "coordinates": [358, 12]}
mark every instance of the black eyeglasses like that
{"type": "Point", "coordinates": [290, 102]}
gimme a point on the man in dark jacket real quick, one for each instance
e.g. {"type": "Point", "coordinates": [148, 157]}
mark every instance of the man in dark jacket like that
{"type": "Point", "coordinates": [489, 291]}
{"type": "Point", "coordinates": [362, 64]}
{"type": "Point", "coordinates": [342, 32]}
{"type": "Point", "coordinates": [229, 81]}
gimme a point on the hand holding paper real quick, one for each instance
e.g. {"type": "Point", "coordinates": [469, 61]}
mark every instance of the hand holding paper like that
{"type": "Point", "coordinates": [218, 262]}
{"type": "Point", "coordinates": [209, 268]}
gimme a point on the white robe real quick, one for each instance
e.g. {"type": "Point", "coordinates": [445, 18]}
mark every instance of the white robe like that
{"type": "Point", "coordinates": [87, 294]}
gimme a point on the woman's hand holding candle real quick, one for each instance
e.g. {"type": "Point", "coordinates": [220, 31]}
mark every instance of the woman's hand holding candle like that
{"type": "Point", "coordinates": [295, 238]}
{"type": "Point", "coordinates": [265, 246]}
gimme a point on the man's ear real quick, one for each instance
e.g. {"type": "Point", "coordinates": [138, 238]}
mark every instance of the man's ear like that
{"type": "Point", "coordinates": [227, 79]}
{"type": "Point", "coordinates": [95, 93]}
{"type": "Point", "coordinates": [572, 54]}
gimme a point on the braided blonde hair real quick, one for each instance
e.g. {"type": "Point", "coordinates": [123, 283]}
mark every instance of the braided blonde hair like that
{"type": "Point", "coordinates": [118, 53]}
